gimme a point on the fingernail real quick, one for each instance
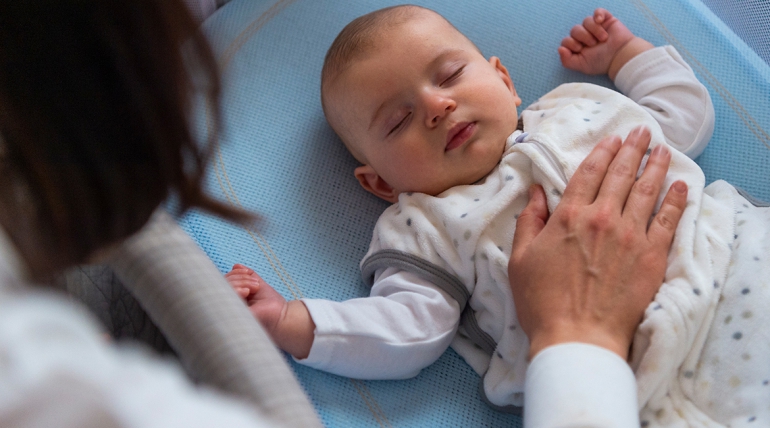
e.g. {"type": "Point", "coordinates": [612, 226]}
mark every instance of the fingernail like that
{"type": "Point", "coordinates": [679, 187]}
{"type": "Point", "coordinates": [660, 150]}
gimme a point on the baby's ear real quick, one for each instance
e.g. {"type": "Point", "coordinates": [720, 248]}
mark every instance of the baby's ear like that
{"type": "Point", "coordinates": [503, 73]}
{"type": "Point", "coordinates": [374, 184]}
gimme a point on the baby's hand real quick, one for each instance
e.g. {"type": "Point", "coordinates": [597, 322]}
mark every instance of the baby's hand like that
{"type": "Point", "coordinates": [264, 302]}
{"type": "Point", "coordinates": [592, 46]}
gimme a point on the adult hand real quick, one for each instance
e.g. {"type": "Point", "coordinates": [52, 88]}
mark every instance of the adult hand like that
{"type": "Point", "coordinates": [587, 273]}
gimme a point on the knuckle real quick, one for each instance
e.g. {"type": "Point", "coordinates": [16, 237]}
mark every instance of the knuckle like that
{"type": "Point", "coordinates": [676, 201]}
{"type": "Point", "coordinates": [569, 213]}
{"type": "Point", "coordinates": [591, 167]}
{"type": "Point", "coordinates": [628, 238]}
{"type": "Point", "coordinates": [602, 218]}
{"type": "Point", "coordinates": [646, 188]}
{"type": "Point", "coordinates": [666, 220]}
{"type": "Point", "coordinates": [621, 169]}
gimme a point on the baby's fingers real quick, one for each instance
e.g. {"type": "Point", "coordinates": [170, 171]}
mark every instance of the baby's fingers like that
{"type": "Point", "coordinates": [239, 268]}
{"type": "Point", "coordinates": [244, 281]}
{"type": "Point", "coordinates": [582, 35]}
{"type": "Point", "coordinates": [593, 24]}
{"type": "Point", "coordinates": [571, 44]}
{"type": "Point", "coordinates": [568, 58]}
{"type": "Point", "coordinates": [603, 17]}
{"type": "Point", "coordinates": [243, 292]}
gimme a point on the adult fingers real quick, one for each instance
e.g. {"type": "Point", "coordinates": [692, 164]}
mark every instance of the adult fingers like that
{"type": "Point", "coordinates": [644, 193]}
{"type": "Point", "coordinates": [621, 174]}
{"type": "Point", "coordinates": [531, 220]}
{"type": "Point", "coordinates": [587, 180]}
{"type": "Point", "coordinates": [663, 226]}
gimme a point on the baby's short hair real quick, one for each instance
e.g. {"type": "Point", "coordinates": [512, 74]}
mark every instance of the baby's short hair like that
{"type": "Point", "coordinates": [357, 38]}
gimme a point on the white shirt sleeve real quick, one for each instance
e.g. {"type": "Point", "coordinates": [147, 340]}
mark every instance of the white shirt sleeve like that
{"type": "Point", "coordinates": [56, 370]}
{"type": "Point", "coordinates": [579, 385]}
{"type": "Point", "coordinates": [661, 81]}
{"type": "Point", "coordinates": [404, 326]}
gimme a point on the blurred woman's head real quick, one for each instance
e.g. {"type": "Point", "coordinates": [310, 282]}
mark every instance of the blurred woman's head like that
{"type": "Point", "coordinates": [95, 103]}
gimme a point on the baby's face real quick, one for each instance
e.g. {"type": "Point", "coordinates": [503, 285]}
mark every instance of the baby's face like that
{"type": "Point", "coordinates": [425, 111]}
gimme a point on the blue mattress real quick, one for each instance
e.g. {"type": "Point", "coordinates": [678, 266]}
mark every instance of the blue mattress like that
{"type": "Point", "coordinates": [279, 158]}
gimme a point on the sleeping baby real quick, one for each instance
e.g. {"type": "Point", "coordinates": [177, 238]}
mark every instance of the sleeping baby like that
{"type": "Point", "coordinates": [435, 127]}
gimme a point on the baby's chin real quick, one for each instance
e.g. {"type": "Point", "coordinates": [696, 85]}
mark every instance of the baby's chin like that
{"type": "Point", "coordinates": [483, 177]}
{"type": "Point", "coordinates": [475, 176]}
{"type": "Point", "coordinates": [491, 160]}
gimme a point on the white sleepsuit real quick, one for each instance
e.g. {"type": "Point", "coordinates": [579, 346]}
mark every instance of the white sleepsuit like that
{"type": "Point", "coordinates": [434, 258]}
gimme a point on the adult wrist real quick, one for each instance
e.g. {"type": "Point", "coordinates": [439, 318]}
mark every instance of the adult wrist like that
{"type": "Point", "coordinates": [572, 333]}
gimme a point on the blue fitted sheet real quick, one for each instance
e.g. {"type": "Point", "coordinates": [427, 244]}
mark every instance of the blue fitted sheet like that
{"type": "Point", "coordinates": [279, 158]}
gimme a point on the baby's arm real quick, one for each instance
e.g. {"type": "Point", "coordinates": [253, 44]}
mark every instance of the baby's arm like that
{"type": "Point", "coordinates": [405, 325]}
{"type": "Point", "coordinates": [658, 79]}
{"type": "Point", "coordinates": [600, 45]}
{"type": "Point", "coordinates": [287, 322]}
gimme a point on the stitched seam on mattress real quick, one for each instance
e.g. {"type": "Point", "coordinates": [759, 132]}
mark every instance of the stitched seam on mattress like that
{"type": "Point", "coordinates": [257, 237]}
{"type": "Point", "coordinates": [747, 119]}
{"type": "Point", "coordinates": [371, 403]}
{"type": "Point", "coordinates": [221, 171]}
{"type": "Point", "coordinates": [249, 31]}
{"type": "Point", "coordinates": [232, 197]}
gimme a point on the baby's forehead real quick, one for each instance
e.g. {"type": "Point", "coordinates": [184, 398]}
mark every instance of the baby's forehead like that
{"type": "Point", "coordinates": [340, 102]}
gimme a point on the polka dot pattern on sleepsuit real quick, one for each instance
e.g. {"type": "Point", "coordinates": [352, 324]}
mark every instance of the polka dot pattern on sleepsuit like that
{"type": "Point", "coordinates": [732, 377]}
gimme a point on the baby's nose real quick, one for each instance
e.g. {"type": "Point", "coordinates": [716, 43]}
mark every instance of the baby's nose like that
{"type": "Point", "coordinates": [439, 108]}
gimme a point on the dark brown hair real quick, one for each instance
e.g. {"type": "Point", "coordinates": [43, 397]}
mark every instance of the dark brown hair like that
{"type": "Point", "coordinates": [95, 101]}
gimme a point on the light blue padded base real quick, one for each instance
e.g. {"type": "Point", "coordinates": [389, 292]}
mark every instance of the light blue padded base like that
{"type": "Point", "coordinates": [749, 19]}
{"type": "Point", "coordinates": [280, 159]}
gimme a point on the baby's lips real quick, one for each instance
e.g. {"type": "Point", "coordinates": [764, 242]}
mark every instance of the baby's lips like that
{"type": "Point", "coordinates": [459, 134]}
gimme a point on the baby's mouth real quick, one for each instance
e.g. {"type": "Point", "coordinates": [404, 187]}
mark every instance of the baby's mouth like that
{"type": "Point", "coordinates": [459, 134]}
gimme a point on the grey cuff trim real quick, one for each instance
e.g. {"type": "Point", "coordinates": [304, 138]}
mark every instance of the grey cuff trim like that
{"type": "Point", "coordinates": [752, 200]}
{"type": "Point", "coordinates": [441, 279]}
{"type": "Point", "coordinates": [410, 263]}
{"type": "Point", "coordinates": [475, 333]}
